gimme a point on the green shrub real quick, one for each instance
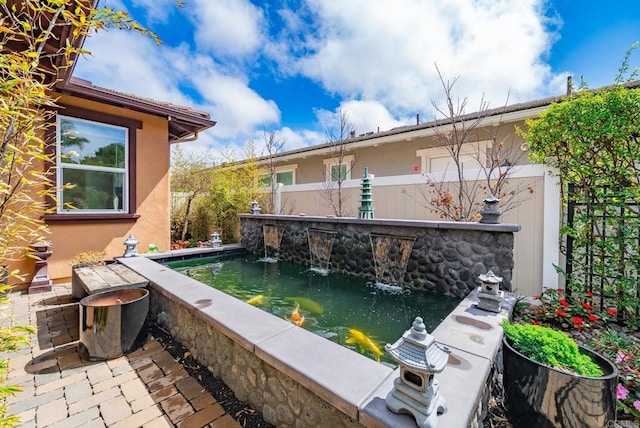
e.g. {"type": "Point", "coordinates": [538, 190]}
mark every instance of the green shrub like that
{"type": "Point", "coordinates": [550, 347]}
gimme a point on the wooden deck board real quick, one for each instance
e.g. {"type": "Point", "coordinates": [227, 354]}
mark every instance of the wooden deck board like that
{"type": "Point", "coordinates": [92, 279]}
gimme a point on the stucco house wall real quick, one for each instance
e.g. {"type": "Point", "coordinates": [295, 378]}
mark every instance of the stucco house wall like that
{"type": "Point", "coordinates": [148, 220]}
{"type": "Point", "coordinates": [152, 198]}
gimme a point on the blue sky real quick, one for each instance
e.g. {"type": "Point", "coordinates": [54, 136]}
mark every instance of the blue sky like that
{"type": "Point", "coordinates": [287, 66]}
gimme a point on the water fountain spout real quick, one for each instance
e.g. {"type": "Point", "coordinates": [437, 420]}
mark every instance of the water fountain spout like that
{"type": "Point", "coordinates": [390, 255]}
{"type": "Point", "coordinates": [272, 238]}
{"type": "Point", "coordinates": [320, 247]}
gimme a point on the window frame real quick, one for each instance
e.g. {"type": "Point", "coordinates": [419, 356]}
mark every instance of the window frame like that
{"type": "Point", "coordinates": [329, 163]}
{"type": "Point", "coordinates": [132, 126]}
{"type": "Point", "coordinates": [282, 169]}
{"type": "Point", "coordinates": [61, 167]}
{"type": "Point", "coordinates": [428, 154]}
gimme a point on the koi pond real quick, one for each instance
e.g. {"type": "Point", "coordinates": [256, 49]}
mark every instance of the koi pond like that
{"type": "Point", "coordinates": [347, 310]}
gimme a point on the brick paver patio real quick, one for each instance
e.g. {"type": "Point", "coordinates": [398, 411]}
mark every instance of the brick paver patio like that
{"type": "Point", "coordinates": [146, 388]}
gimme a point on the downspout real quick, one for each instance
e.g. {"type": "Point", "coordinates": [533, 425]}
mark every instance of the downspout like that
{"type": "Point", "coordinates": [194, 137]}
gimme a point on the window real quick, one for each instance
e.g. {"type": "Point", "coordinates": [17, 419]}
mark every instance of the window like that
{"type": "Point", "coordinates": [338, 172]}
{"type": "Point", "coordinates": [93, 158]}
{"type": "Point", "coordinates": [285, 174]}
{"type": "Point", "coordinates": [284, 177]}
{"type": "Point", "coordinates": [335, 169]}
{"type": "Point", "coordinates": [438, 159]}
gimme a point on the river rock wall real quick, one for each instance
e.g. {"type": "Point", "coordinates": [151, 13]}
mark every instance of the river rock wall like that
{"type": "Point", "coordinates": [446, 257]}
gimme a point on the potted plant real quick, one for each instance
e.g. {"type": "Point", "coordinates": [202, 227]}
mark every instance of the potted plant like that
{"type": "Point", "coordinates": [550, 381]}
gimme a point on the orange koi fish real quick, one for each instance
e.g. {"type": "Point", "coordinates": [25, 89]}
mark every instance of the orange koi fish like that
{"type": "Point", "coordinates": [297, 318]}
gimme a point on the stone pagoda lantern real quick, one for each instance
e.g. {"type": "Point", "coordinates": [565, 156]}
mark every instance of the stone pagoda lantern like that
{"type": "Point", "coordinates": [131, 244]}
{"type": "Point", "coordinates": [416, 391]}
{"type": "Point", "coordinates": [366, 196]}
{"type": "Point", "coordinates": [489, 292]}
{"type": "Point", "coordinates": [215, 240]}
{"type": "Point", "coordinates": [490, 213]}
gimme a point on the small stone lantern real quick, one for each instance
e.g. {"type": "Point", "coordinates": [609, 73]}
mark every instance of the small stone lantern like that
{"type": "Point", "coordinates": [416, 391]}
{"type": "Point", "coordinates": [490, 213]}
{"type": "Point", "coordinates": [41, 281]}
{"type": "Point", "coordinates": [215, 240]}
{"type": "Point", "coordinates": [489, 292]}
{"type": "Point", "coordinates": [255, 208]}
{"type": "Point", "coordinates": [130, 247]}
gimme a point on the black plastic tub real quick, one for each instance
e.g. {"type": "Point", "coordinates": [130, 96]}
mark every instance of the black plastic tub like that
{"type": "Point", "coordinates": [540, 396]}
{"type": "Point", "coordinates": [113, 323]}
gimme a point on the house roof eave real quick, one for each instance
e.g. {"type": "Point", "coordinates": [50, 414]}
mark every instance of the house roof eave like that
{"type": "Point", "coordinates": [183, 121]}
{"type": "Point", "coordinates": [505, 114]}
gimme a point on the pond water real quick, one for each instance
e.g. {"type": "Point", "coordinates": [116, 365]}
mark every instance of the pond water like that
{"type": "Point", "coordinates": [360, 315]}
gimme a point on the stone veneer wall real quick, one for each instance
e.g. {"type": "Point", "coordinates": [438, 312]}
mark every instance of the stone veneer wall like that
{"type": "Point", "coordinates": [282, 401]}
{"type": "Point", "coordinates": [447, 257]}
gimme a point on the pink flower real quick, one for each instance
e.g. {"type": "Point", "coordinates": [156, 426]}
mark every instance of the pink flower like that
{"type": "Point", "coordinates": [636, 405]}
{"type": "Point", "coordinates": [621, 392]}
{"type": "Point", "coordinates": [622, 356]}
{"type": "Point", "coordinates": [416, 168]}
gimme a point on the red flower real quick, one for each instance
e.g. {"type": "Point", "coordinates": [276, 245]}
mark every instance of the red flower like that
{"type": "Point", "coordinates": [563, 302]}
{"type": "Point", "coordinates": [577, 321]}
{"type": "Point", "coordinates": [593, 318]}
{"type": "Point", "coordinates": [612, 312]}
{"type": "Point", "coordinates": [416, 168]}
{"type": "Point", "coordinates": [561, 313]}
{"type": "Point", "coordinates": [589, 294]}
{"type": "Point", "coordinates": [586, 305]}
{"type": "Point", "coordinates": [536, 323]}
{"type": "Point", "coordinates": [560, 291]}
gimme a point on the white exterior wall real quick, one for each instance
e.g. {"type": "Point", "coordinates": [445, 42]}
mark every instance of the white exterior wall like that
{"type": "Point", "coordinates": [402, 197]}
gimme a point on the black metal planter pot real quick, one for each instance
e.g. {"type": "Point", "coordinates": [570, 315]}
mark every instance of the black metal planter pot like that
{"type": "Point", "coordinates": [113, 323]}
{"type": "Point", "coordinates": [540, 396]}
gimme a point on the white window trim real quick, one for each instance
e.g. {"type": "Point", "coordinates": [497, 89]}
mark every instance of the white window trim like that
{"type": "Point", "coordinates": [328, 163]}
{"type": "Point", "coordinates": [426, 155]}
{"type": "Point", "coordinates": [60, 166]}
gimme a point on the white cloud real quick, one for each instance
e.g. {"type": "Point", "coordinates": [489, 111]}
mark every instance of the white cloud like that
{"type": "Point", "coordinates": [368, 116]}
{"type": "Point", "coordinates": [227, 27]}
{"type": "Point", "coordinates": [157, 10]}
{"type": "Point", "coordinates": [302, 138]}
{"type": "Point", "coordinates": [377, 58]}
{"type": "Point", "coordinates": [369, 50]}
{"type": "Point", "coordinates": [130, 63]}
{"type": "Point", "coordinates": [178, 76]}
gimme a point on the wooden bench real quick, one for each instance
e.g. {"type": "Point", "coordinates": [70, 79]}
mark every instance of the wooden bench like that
{"type": "Point", "coordinates": [93, 279]}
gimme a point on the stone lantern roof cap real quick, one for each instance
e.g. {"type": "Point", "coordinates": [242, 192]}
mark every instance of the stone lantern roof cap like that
{"type": "Point", "coordinates": [418, 350]}
{"type": "Point", "coordinates": [490, 278]}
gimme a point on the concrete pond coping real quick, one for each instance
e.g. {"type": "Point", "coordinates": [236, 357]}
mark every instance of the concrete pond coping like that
{"type": "Point", "coordinates": [352, 383]}
{"type": "Point", "coordinates": [422, 224]}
